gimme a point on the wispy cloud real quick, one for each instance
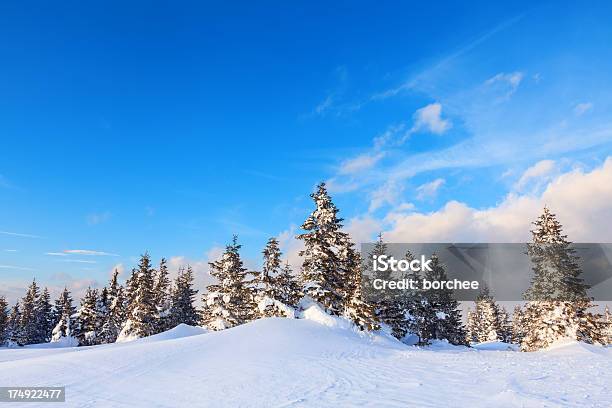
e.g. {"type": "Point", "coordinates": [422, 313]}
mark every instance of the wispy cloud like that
{"type": "Point", "coordinates": [9, 250]}
{"type": "Point", "coordinates": [359, 163]}
{"type": "Point", "coordinates": [429, 118]}
{"type": "Point", "coordinates": [17, 234]}
{"type": "Point", "coordinates": [16, 268]}
{"type": "Point", "coordinates": [583, 108]}
{"type": "Point", "coordinates": [429, 190]}
{"type": "Point", "coordinates": [95, 219]}
{"type": "Point", "coordinates": [79, 261]}
{"type": "Point", "coordinates": [56, 254]}
{"type": "Point", "coordinates": [88, 252]}
{"type": "Point", "coordinates": [508, 82]}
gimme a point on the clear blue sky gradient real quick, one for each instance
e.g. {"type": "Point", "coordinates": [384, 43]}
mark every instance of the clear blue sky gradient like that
{"type": "Point", "coordinates": [170, 126]}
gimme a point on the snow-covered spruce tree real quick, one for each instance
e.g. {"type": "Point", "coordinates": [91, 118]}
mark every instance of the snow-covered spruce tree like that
{"type": "Point", "coordinates": [271, 293]}
{"type": "Point", "coordinates": [322, 279]}
{"type": "Point", "coordinates": [483, 322]}
{"type": "Point", "coordinates": [389, 305]}
{"type": "Point", "coordinates": [4, 321]}
{"type": "Point", "coordinates": [29, 319]}
{"type": "Point", "coordinates": [558, 304]}
{"type": "Point", "coordinates": [13, 332]}
{"type": "Point", "coordinates": [230, 302]}
{"type": "Point", "coordinates": [44, 317]}
{"type": "Point", "coordinates": [162, 297]}
{"type": "Point", "coordinates": [115, 314]}
{"type": "Point", "coordinates": [141, 314]}
{"type": "Point", "coordinates": [289, 285]}
{"type": "Point", "coordinates": [65, 312]}
{"type": "Point", "coordinates": [607, 326]}
{"type": "Point", "coordinates": [518, 325]}
{"type": "Point", "coordinates": [504, 331]}
{"type": "Point", "coordinates": [182, 310]}
{"type": "Point", "coordinates": [87, 320]}
{"type": "Point", "coordinates": [362, 313]}
{"type": "Point", "coordinates": [444, 319]}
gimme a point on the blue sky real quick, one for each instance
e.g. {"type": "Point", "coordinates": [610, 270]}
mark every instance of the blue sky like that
{"type": "Point", "coordinates": [169, 127]}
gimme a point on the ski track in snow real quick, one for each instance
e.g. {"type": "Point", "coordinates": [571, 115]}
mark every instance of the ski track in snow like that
{"type": "Point", "coordinates": [301, 363]}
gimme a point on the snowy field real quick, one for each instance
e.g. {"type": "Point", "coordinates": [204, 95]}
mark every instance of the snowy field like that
{"type": "Point", "coordinates": [314, 362]}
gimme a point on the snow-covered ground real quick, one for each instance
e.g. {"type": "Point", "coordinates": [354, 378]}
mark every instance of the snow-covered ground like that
{"type": "Point", "coordinates": [318, 362]}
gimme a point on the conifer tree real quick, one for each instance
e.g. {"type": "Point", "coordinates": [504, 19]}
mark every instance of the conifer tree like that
{"type": "Point", "coordinates": [289, 286]}
{"type": "Point", "coordinates": [141, 308]}
{"type": "Point", "coordinates": [557, 301]}
{"type": "Point", "coordinates": [504, 331]}
{"type": "Point", "coordinates": [272, 297]}
{"type": "Point", "coordinates": [64, 329]}
{"type": "Point", "coordinates": [115, 315]}
{"type": "Point", "coordinates": [44, 317]}
{"type": "Point", "coordinates": [162, 297]}
{"type": "Point", "coordinates": [322, 278]}
{"type": "Point", "coordinates": [14, 326]}
{"type": "Point", "coordinates": [29, 318]}
{"type": "Point", "coordinates": [362, 313]}
{"type": "Point", "coordinates": [4, 321]}
{"type": "Point", "coordinates": [230, 302]}
{"type": "Point", "coordinates": [444, 320]}
{"type": "Point", "coordinates": [607, 327]}
{"type": "Point", "coordinates": [389, 306]}
{"type": "Point", "coordinates": [518, 325]}
{"type": "Point", "coordinates": [484, 321]}
{"type": "Point", "coordinates": [182, 310]}
{"type": "Point", "coordinates": [88, 319]}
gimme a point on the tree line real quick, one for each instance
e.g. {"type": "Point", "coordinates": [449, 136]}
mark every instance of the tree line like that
{"type": "Point", "coordinates": [150, 302]}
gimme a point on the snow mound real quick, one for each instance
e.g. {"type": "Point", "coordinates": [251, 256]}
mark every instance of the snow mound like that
{"type": "Point", "coordinates": [180, 331]}
{"type": "Point", "coordinates": [495, 346]}
{"type": "Point", "coordinates": [312, 362]}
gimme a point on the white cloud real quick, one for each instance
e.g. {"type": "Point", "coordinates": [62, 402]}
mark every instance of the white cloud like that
{"type": "Point", "coordinates": [538, 172]}
{"type": "Point", "coordinates": [363, 229]}
{"type": "Point", "coordinates": [388, 193]}
{"type": "Point", "coordinates": [324, 106]}
{"type": "Point", "coordinates": [118, 267]}
{"type": "Point", "coordinates": [85, 261]}
{"type": "Point", "coordinates": [583, 108]}
{"type": "Point", "coordinates": [359, 163]}
{"type": "Point", "coordinates": [429, 190]}
{"type": "Point", "coordinates": [95, 219]}
{"type": "Point", "coordinates": [430, 118]}
{"type": "Point", "coordinates": [9, 250]}
{"type": "Point", "coordinates": [580, 199]}
{"type": "Point", "coordinates": [87, 252]}
{"type": "Point", "coordinates": [56, 254]}
{"type": "Point", "coordinates": [291, 247]}
{"type": "Point", "coordinates": [16, 268]}
{"type": "Point", "coordinates": [17, 234]}
{"type": "Point", "coordinates": [510, 80]}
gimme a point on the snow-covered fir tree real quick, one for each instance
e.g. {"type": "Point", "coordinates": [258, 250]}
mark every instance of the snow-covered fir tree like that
{"type": "Point", "coordinates": [483, 323]}
{"type": "Point", "coordinates": [65, 312]}
{"type": "Point", "coordinates": [504, 331]}
{"type": "Point", "coordinates": [289, 285]}
{"type": "Point", "coordinates": [162, 297]}
{"type": "Point", "coordinates": [558, 305]}
{"type": "Point", "coordinates": [141, 308]}
{"type": "Point", "coordinates": [322, 278]}
{"type": "Point", "coordinates": [607, 327]}
{"type": "Point", "coordinates": [182, 309]}
{"type": "Point", "coordinates": [389, 306]}
{"type": "Point", "coordinates": [518, 325]}
{"type": "Point", "coordinates": [444, 317]}
{"type": "Point", "coordinates": [13, 331]}
{"type": "Point", "coordinates": [4, 321]}
{"type": "Point", "coordinates": [229, 302]}
{"type": "Point", "coordinates": [272, 296]}
{"type": "Point", "coordinates": [44, 317]}
{"type": "Point", "coordinates": [362, 313]}
{"type": "Point", "coordinates": [29, 331]}
{"type": "Point", "coordinates": [115, 311]}
{"type": "Point", "coordinates": [88, 321]}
